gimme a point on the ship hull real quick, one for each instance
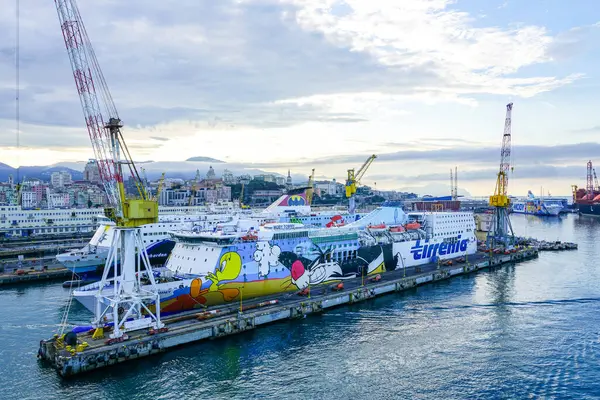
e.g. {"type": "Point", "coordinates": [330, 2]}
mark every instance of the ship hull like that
{"type": "Point", "coordinates": [542, 211]}
{"type": "Point", "coordinates": [589, 209]}
{"type": "Point", "coordinates": [92, 263]}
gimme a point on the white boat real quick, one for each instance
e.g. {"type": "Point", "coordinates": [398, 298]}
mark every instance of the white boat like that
{"type": "Point", "coordinates": [537, 206]}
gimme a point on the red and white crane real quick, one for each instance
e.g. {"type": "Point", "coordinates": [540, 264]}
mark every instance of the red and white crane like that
{"type": "Point", "coordinates": [121, 295]}
{"type": "Point", "coordinates": [101, 118]}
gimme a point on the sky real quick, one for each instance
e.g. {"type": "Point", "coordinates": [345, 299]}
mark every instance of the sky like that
{"type": "Point", "coordinates": [301, 84]}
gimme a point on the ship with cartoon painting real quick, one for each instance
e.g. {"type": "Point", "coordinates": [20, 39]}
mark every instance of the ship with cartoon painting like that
{"type": "Point", "coordinates": [210, 268]}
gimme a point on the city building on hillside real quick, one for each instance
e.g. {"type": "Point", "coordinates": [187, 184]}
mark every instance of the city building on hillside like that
{"type": "Point", "coordinates": [29, 199]}
{"type": "Point", "coordinates": [327, 187]}
{"type": "Point", "coordinates": [228, 177]}
{"type": "Point", "coordinates": [211, 173]}
{"type": "Point", "coordinates": [60, 179]}
{"type": "Point", "coordinates": [174, 197]}
{"type": "Point", "coordinates": [244, 179]}
{"type": "Point", "coordinates": [58, 200]}
{"type": "Point", "coordinates": [266, 196]}
{"type": "Point", "coordinates": [91, 172]}
{"type": "Point", "coordinates": [265, 178]}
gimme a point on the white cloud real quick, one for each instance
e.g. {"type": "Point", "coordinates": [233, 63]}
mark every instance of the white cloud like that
{"type": "Point", "coordinates": [428, 33]}
{"type": "Point", "coordinates": [272, 80]}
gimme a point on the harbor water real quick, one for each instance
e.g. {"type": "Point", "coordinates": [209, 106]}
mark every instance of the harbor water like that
{"type": "Point", "coordinates": [525, 331]}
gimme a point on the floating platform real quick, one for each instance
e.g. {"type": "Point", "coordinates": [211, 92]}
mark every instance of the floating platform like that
{"type": "Point", "coordinates": [34, 275]}
{"type": "Point", "coordinates": [88, 354]}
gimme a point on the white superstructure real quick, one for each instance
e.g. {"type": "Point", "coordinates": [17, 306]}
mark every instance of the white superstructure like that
{"type": "Point", "coordinates": [16, 221]}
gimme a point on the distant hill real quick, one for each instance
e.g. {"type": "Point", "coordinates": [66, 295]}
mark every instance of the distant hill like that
{"type": "Point", "coordinates": [204, 159]}
{"type": "Point", "coordinates": [38, 172]}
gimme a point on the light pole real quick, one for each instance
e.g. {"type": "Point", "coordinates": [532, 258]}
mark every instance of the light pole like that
{"type": "Point", "coordinates": [403, 265]}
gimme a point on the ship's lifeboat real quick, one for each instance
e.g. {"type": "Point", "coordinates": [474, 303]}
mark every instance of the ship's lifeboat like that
{"type": "Point", "coordinates": [597, 198]}
{"type": "Point", "coordinates": [377, 227]}
{"type": "Point", "coordinates": [397, 229]}
{"type": "Point", "coordinates": [413, 226]}
{"type": "Point", "coordinates": [249, 237]}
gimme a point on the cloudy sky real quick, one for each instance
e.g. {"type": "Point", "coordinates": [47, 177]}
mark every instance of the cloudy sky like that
{"type": "Point", "coordinates": [278, 84]}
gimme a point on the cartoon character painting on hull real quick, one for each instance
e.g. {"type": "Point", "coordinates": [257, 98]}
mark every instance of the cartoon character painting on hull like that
{"type": "Point", "coordinates": [271, 270]}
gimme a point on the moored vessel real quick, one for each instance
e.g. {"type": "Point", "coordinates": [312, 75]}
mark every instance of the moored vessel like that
{"type": "Point", "coordinates": [537, 206]}
{"type": "Point", "coordinates": [207, 268]}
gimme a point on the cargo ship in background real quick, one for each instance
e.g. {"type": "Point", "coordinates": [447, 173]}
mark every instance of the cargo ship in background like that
{"type": "Point", "coordinates": [293, 207]}
{"type": "Point", "coordinates": [537, 206]}
{"type": "Point", "coordinates": [214, 267]}
{"type": "Point", "coordinates": [588, 200]}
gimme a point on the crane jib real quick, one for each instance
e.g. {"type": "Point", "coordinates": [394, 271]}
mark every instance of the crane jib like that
{"type": "Point", "coordinates": [103, 123]}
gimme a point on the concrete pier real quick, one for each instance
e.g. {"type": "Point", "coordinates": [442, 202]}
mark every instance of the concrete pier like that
{"type": "Point", "coordinates": [35, 275]}
{"type": "Point", "coordinates": [222, 321]}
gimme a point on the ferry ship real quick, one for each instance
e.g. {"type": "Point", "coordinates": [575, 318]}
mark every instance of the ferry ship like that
{"type": "Point", "coordinates": [18, 222]}
{"type": "Point", "coordinates": [292, 207]}
{"type": "Point", "coordinates": [536, 206]}
{"type": "Point", "coordinates": [210, 268]}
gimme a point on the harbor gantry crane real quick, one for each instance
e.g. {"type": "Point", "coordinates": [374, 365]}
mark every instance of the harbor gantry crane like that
{"type": "Point", "coordinates": [454, 184]}
{"type": "Point", "coordinates": [121, 295]}
{"type": "Point", "coordinates": [501, 231]}
{"type": "Point", "coordinates": [241, 201]}
{"type": "Point", "coordinates": [589, 187]}
{"type": "Point", "coordinates": [353, 180]}
{"type": "Point", "coordinates": [159, 188]}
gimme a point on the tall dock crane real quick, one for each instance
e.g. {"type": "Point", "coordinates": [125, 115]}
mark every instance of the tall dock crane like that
{"type": "Point", "coordinates": [353, 180]}
{"type": "Point", "coordinates": [122, 295]}
{"type": "Point", "coordinates": [501, 231]}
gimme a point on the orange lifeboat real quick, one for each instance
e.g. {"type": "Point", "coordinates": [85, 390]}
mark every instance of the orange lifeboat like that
{"type": "Point", "coordinates": [413, 226]}
{"type": "Point", "coordinates": [597, 198]}
{"type": "Point", "coordinates": [380, 226]}
{"type": "Point", "coordinates": [249, 237]}
{"type": "Point", "coordinates": [397, 229]}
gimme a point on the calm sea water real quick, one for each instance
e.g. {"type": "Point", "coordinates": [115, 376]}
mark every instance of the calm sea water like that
{"type": "Point", "coordinates": [524, 331]}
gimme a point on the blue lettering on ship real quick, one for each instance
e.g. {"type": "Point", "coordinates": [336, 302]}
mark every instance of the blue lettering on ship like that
{"type": "Point", "coordinates": [425, 250]}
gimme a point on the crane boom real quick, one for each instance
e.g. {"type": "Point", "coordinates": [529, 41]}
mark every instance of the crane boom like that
{"type": "Point", "coordinates": [502, 231]}
{"type": "Point", "coordinates": [361, 171]}
{"type": "Point", "coordinates": [103, 122]}
{"type": "Point", "coordinates": [353, 179]}
{"type": "Point", "coordinates": [500, 198]}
